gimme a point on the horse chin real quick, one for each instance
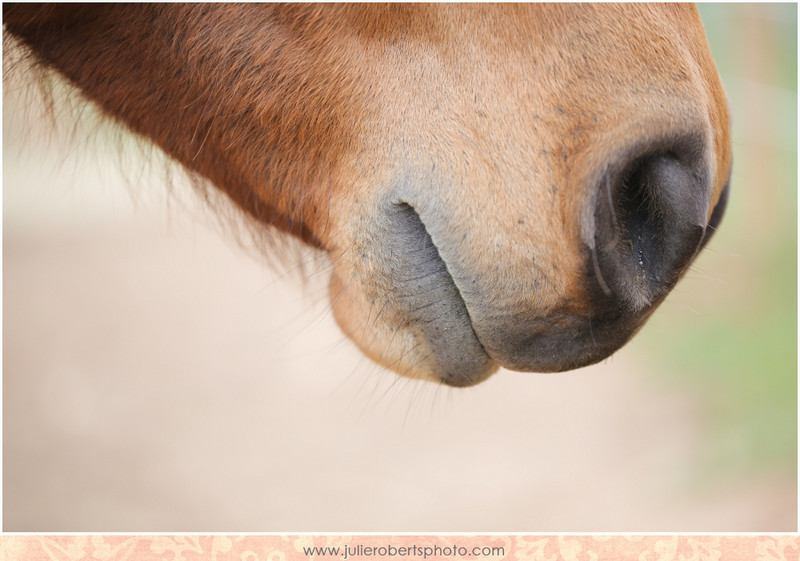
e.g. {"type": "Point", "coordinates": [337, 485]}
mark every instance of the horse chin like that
{"type": "Point", "coordinates": [435, 341]}
{"type": "Point", "coordinates": [439, 343]}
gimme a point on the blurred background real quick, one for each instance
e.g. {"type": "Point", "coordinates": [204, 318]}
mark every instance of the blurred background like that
{"type": "Point", "coordinates": [159, 377]}
{"type": "Point", "coordinates": [741, 358]}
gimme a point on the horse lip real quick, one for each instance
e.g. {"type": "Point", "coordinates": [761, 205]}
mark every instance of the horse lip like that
{"type": "Point", "coordinates": [463, 350]}
{"type": "Point", "coordinates": [432, 302]}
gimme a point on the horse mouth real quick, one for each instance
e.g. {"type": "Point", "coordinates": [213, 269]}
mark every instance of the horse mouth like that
{"type": "Point", "coordinates": [433, 308]}
{"type": "Point", "coordinates": [404, 308]}
{"type": "Point", "coordinates": [437, 311]}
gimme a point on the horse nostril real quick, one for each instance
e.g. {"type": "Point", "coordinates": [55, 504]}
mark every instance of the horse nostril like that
{"type": "Point", "coordinates": [649, 223]}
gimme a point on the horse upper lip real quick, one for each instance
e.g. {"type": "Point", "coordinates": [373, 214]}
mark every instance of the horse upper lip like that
{"type": "Point", "coordinates": [466, 349]}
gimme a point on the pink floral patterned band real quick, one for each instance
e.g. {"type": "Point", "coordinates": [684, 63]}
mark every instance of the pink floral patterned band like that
{"type": "Point", "coordinates": [780, 547]}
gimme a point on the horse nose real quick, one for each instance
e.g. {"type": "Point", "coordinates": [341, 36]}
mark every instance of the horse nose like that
{"type": "Point", "coordinates": [650, 221]}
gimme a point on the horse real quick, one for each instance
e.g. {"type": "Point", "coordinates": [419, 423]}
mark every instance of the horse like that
{"type": "Point", "coordinates": [513, 186]}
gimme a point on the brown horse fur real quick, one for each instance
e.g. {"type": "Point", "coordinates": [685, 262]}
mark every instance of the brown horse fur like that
{"type": "Point", "coordinates": [468, 168]}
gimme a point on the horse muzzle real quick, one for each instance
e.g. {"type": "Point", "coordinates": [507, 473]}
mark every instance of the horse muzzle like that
{"type": "Point", "coordinates": [451, 295]}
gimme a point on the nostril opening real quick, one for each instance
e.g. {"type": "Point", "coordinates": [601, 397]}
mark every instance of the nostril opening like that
{"type": "Point", "coordinates": [641, 214]}
{"type": "Point", "coordinates": [648, 227]}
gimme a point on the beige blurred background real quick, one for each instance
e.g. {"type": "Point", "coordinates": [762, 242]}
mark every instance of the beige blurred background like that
{"type": "Point", "coordinates": [158, 377]}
